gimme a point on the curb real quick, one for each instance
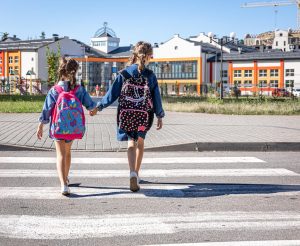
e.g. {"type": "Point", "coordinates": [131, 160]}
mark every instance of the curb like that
{"type": "Point", "coordinates": [196, 146]}
{"type": "Point", "coordinates": [231, 146]}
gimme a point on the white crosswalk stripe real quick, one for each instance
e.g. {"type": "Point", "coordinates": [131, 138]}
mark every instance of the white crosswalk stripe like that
{"type": "Point", "coordinates": [67, 227]}
{"type": "Point", "coordinates": [62, 227]}
{"type": "Point", "coordinates": [153, 173]}
{"type": "Point", "coordinates": [167, 160]}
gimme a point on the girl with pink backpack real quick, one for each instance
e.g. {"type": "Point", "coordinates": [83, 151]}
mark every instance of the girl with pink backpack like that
{"type": "Point", "coordinates": [63, 110]}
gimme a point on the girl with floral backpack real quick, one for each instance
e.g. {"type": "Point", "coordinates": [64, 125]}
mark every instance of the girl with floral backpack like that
{"type": "Point", "coordinates": [63, 109]}
{"type": "Point", "coordinates": [137, 89]}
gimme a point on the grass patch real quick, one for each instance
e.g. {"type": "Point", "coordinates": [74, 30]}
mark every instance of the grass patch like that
{"type": "Point", "coordinates": [242, 106]}
{"type": "Point", "coordinates": [21, 104]}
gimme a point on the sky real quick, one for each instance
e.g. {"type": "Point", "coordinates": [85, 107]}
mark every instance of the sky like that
{"type": "Point", "coordinates": [154, 21]}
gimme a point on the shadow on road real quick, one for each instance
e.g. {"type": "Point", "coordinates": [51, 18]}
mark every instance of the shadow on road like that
{"type": "Point", "coordinates": [192, 190]}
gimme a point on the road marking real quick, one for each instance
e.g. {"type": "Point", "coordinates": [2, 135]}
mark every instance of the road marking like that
{"type": "Point", "coordinates": [152, 173]}
{"type": "Point", "coordinates": [159, 191]}
{"type": "Point", "coordinates": [239, 243]}
{"type": "Point", "coordinates": [71, 227]}
{"type": "Point", "coordinates": [166, 160]}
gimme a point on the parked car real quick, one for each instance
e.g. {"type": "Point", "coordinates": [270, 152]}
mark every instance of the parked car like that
{"type": "Point", "coordinates": [296, 92]}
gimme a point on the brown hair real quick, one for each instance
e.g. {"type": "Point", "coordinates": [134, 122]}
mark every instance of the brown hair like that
{"type": "Point", "coordinates": [67, 69]}
{"type": "Point", "coordinates": [140, 51]}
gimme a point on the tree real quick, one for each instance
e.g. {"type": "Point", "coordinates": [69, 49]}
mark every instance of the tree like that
{"type": "Point", "coordinates": [43, 35]}
{"type": "Point", "coordinates": [53, 63]}
{"type": "Point", "coordinates": [4, 36]}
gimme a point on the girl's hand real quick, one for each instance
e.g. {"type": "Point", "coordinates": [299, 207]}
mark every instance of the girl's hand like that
{"type": "Point", "coordinates": [39, 132]}
{"type": "Point", "coordinates": [93, 112]}
{"type": "Point", "coordinates": [159, 124]}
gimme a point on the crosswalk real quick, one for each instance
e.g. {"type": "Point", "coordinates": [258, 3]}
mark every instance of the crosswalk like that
{"type": "Point", "coordinates": [165, 180]}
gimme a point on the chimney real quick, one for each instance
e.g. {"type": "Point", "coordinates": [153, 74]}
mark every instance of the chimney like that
{"type": "Point", "coordinates": [54, 37]}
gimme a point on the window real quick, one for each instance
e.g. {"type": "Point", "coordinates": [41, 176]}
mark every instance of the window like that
{"type": "Point", "coordinates": [238, 83]}
{"type": "Point", "coordinates": [16, 59]}
{"type": "Point", "coordinates": [224, 74]}
{"type": "Point", "coordinates": [10, 70]}
{"type": "Point", "coordinates": [276, 43]}
{"type": "Point", "coordinates": [263, 73]}
{"type": "Point", "coordinates": [248, 73]}
{"type": "Point", "coordinates": [16, 70]}
{"type": "Point", "coordinates": [274, 73]}
{"type": "Point", "coordinates": [10, 59]}
{"type": "Point", "coordinates": [0, 70]}
{"type": "Point", "coordinates": [284, 43]}
{"type": "Point", "coordinates": [289, 83]}
{"type": "Point", "coordinates": [290, 72]}
{"type": "Point", "coordinates": [248, 83]}
{"type": "Point", "coordinates": [113, 44]}
{"type": "Point", "coordinates": [274, 83]}
{"type": "Point", "coordinates": [262, 83]}
{"type": "Point", "coordinates": [0, 60]}
{"type": "Point", "coordinates": [237, 73]}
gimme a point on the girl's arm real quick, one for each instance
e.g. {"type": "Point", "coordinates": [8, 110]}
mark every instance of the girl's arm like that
{"type": "Point", "coordinates": [46, 113]}
{"type": "Point", "coordinates": [48, 107]}
{"type": "Point", "coordinates": [87, 101]}
{"type": "Point", "coordinates": [157, 104]}
{"type": "Point", "coordinates": [112, 94]}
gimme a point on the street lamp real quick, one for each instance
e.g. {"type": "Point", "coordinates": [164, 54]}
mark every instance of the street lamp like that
{"type": "Point", "coordinates": [222, 43]}
{"type": "Point", "coordinates": [30, 72]}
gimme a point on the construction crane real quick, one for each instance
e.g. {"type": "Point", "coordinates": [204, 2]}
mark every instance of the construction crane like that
{"type": "Point", "coordinates": [276, 4]}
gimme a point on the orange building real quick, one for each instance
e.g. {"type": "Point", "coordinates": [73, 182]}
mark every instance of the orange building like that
{"type": "Point", "coordinates": [12, 63]}
{"type": "Point", "coordinates": [2, 64]}
{"type": "Point", "coordinates": [261, 72]}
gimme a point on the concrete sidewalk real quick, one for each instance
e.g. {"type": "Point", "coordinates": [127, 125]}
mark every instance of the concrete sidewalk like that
{"type": "Point", "coordinates": [181, 131]}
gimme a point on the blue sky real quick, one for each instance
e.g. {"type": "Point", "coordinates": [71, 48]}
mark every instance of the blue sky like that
{"type": "Point", "coordinates": [133, 20]}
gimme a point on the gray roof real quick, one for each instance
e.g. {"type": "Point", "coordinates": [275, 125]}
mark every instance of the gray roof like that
{"type": "Point", "coordinates": [263, 55]}
{"type": "Point", "coordinates": [124, 51]}
{"type": "Point", "coordinates": [26, 44]}
{"type": "Point", "coordinates": [266, 55]}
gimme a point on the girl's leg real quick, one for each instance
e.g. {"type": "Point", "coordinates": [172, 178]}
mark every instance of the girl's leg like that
{"type": "Point", "coordinates": [131, 155]}
{"type": "Point", "coordinates": [68, 159]}
{"type": "Point", "coordinates": [139, 154]}
{"type": "Point", "coordinates": [61, 160]}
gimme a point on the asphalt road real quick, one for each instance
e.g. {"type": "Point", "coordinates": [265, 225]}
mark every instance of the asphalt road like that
{"type": "Point", "coordinates": [186, 197]}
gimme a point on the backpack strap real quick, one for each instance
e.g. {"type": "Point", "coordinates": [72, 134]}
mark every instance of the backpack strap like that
{"type": "Point", "coordinates": [58, 88]}
{"type": "Point", "coordinates": [74, 90]}
{"type": "Point", "coordinates": [125, 74]}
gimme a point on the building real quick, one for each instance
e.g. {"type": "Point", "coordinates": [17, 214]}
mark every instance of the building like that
{"type": "Point", "coordinates": [24, 58]}
{"type": "Point", "coordinates": [103, 59]}
{"type": "Point", "coordinates": [285, 40]}
{"type": "Point", "coordinates": [262, 72]}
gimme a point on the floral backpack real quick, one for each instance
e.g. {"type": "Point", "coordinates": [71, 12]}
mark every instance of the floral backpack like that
{"type": "Point", "coordinates": [135, 110]}
{"type": "Point", "coordinates": [68, 121]}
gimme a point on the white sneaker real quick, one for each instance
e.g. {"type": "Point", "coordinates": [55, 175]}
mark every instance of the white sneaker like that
{"type": "Point", "coordinates": [134, 185]}
{"type": "Point", "coordinates": [65, 190]}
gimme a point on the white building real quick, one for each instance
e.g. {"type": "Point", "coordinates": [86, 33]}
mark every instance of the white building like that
{"type": "Point", "coordinates": [105, 40]}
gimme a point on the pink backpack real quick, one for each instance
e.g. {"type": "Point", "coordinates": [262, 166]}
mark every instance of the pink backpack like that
{"type": "Point", "coordinates": [68, 121]}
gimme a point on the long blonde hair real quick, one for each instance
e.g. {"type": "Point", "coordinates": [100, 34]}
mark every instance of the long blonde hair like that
{"type": "Point", "coordinates": [67, 69]}
{"type": "Point", "coordinates": [140, 51]}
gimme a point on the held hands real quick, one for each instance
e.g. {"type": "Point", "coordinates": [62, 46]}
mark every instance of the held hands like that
{"type": "Point", "coordinates": [159, 124]}
{"type": "Point", "coordinates": [93, 112]}
{"type": "Point", "coordinates": [39, 131]}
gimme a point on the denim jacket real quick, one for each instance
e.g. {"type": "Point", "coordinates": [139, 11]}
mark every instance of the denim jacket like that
{"type": "Point", "coordinates": [52, 97]}
{"type": "Point", "coordinates": [115, 91]}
